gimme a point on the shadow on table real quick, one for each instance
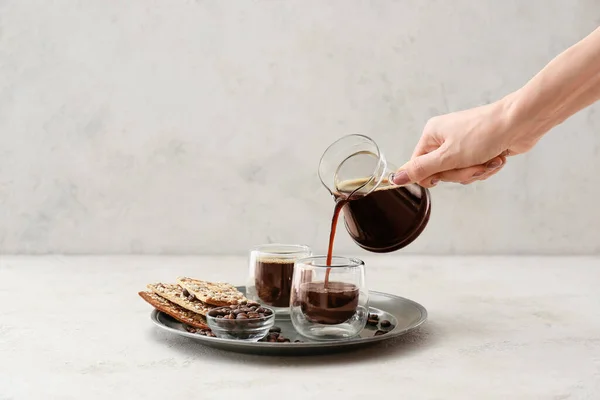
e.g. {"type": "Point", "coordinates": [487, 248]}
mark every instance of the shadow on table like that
{"type": "Point", "coordinates": [405, 345]}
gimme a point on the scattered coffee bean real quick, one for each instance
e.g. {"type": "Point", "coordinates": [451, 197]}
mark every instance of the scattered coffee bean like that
{"type": "Point", "coordinates": [191, 297]}
{"type": "Point", "coordinates": [276, 337]}
{"type": "Point", "coordinates": [372, 322]}
{"type": "Point", "coordinates": [186, 293]}
{"type": "Point", "coordinates": [379, 333]}
{"type": "Point", "coordinates": [374, 316]}
{"type": "Point", "coordinates": [275, 329]}
{"type": "Point", "coordinates": [385, 323]}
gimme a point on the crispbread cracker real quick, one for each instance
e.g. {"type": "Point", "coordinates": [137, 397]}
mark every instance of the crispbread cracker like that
{"type": "Point", "coordinates": [217, 294]}
{"type": "Point", "coordinates": [175, 311]}
{"type": "Point", "coordinates": [176, 294]}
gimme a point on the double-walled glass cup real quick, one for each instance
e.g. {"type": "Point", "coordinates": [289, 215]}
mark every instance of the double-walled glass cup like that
{"type": "Point", "coordinates": [329, 303]}
{"type": "Point", "coordinates": [271, 268]}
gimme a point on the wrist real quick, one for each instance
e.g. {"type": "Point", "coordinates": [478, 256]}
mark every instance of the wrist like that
{"type": "Point", "coordinates": [522, 118]}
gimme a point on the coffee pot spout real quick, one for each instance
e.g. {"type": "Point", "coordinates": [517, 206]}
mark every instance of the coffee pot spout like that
{"type": "Point", "coordinates": [353, 166]}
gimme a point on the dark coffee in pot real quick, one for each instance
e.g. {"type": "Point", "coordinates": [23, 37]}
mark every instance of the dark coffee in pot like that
{"type": "Point", "coordinates": [387, 219]}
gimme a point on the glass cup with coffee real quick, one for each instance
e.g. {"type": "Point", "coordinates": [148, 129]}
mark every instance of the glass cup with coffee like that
{"type": "Point", "coordinates": [271, 268]}
{"type": "Point", "coordinates": [329, 302]}
{"type": "Point", "coordinates": [379, 215]}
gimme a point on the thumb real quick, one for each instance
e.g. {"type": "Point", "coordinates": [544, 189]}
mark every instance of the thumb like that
{"type": "Point", "coordinates": [419, 168]}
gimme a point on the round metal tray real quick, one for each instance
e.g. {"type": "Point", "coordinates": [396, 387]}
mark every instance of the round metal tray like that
{"type": "Point", "coordinates": [405, 314]}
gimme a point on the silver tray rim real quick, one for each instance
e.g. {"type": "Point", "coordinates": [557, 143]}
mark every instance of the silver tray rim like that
{"type": "Point", "coordinates": [396, 332]}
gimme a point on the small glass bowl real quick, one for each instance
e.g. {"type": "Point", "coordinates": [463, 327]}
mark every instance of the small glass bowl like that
{"type": "Point", "coordinates": [247, 329]}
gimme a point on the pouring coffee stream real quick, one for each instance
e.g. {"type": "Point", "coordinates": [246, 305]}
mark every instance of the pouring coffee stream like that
{"type": "Point", "coordinates": [339, 204]}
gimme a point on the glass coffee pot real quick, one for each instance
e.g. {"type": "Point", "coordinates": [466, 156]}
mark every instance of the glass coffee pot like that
{"type": "Point", "coordinates": [380, 216]}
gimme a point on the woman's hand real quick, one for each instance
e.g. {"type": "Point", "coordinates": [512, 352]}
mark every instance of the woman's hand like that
{"type": "Point", "coordinates": [467, 146]}
{"type": "Point", "coordinates": [472, 145]}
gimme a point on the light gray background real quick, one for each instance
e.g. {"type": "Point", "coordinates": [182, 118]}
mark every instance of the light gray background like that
{"type": "Point", "coordinates": [196, 126]}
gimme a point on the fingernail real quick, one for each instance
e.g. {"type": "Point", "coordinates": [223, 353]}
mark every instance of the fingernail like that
{"type": "Point", "coordinates": [400, 178]}
{"type": "Point", "coordinates": [494, 164]}
{"type": "Point", "coordinates": [435, 181]}
{"type": "Point", "coordinates": [478, 173]}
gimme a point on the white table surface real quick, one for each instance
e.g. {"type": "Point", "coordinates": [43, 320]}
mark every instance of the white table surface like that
{"type": "Point", "coordinates": [499, 328]}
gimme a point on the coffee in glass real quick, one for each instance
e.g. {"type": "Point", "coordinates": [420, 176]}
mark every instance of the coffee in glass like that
{"type": "Point", "coordinates": [271, 267]}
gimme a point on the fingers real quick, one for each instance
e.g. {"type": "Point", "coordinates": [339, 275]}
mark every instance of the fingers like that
{"type": "Point", "coordinates": [431, 168]}
{"type": "Point", "coordinates": [466, 175]}
{"type": "Point", "coordinates": [483, 178]}
{"type": "Point", "coordinates": [492, 169]}
{"type": "Point", "coordinates": [421, 167]}
{"type": "Point", "coordinates": [425, 145]}
{"type": "Point", "coordinates": [428, 141]}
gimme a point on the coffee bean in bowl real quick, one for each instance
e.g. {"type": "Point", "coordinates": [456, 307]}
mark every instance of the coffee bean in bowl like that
{"type": "Point", "coordinates": [386, 324]}
{"type": "Point", "coordinates": [373, 317]}
{"type": "Point", "coordinates": [249, 322]}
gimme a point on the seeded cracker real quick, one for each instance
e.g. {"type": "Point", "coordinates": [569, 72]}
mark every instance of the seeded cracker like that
{"type": "Point", "coordinates": [217, 294]}
{"type": "Point", "coordinates": [172, 309]}
{"type": "Point", "coordinates": [180, 296]}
